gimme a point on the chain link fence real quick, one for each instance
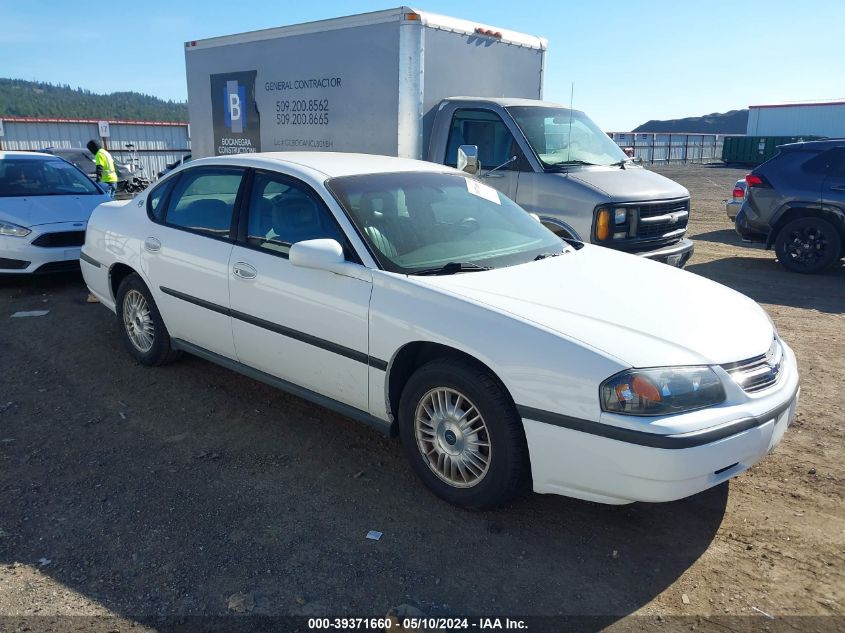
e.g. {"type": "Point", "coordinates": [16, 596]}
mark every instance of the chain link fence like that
{"type": "Point", "coordinates": [671, 148]}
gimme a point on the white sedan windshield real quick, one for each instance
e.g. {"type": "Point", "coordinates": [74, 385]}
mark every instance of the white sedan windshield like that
{"type": "Point", "coordinates": [419, 222]}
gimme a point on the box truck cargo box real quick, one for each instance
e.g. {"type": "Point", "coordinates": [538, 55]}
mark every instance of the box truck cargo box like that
{"type": "Point", "coordinates": [369, 83]}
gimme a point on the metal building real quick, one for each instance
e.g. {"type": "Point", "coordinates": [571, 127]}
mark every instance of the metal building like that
{"type": "Point", "coordinates": [156, 143]}
{"type": "Point", "coordinates": [797, 119]}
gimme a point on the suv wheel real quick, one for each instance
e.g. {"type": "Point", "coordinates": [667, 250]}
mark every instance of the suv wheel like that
{"type": "Point", "coordinates": [808, 245]}
{"type": "Point", "coordinates": [462, 434]}
{"type": "Point", "coordinates": [141, 326]}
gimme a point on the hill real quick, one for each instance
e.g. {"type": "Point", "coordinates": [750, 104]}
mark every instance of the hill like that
{"type": "Point", "coordinates": [733, 122]}
{"type": "Point", "coordinates": [30, 98]}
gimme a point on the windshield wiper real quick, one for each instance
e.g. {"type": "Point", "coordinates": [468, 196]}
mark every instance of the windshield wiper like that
{"type": "Point", "coordinates": [620, 163]}
{"type": "Point", "coordinates": [546, 255]}
{"type": "Point", "coordinates": [451, 268]}
{"type": "Point", "coordinates": [571, 162]}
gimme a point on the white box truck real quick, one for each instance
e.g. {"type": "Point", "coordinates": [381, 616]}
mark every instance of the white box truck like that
{"type": "Point", "coordinates": [388, 82]}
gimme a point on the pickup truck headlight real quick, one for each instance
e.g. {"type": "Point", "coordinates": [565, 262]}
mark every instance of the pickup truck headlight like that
{"type": "Point", "coordinates": [661, 391]}
{"type": "Point", "coordinates": [603, 224]}
{"type": "Point", "coordinates": [7, 228]}
{"type": "Point", "coordinates": [611, 223]}
{"type": "Point", "coordinates": [620, 215]}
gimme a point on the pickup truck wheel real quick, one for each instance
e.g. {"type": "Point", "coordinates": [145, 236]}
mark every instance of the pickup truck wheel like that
{"type": "Point", "coordinates": [141, 325]}
{"type": "Point", "coordinates": [462, 434]}
{"type": "Point", "coordinates": [808, 245]}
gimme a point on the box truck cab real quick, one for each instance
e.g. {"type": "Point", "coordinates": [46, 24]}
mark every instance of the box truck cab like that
{"type": "Point", "coordinates": [556, 163]}
{"type": "Point", "coordinates": [386, 83]}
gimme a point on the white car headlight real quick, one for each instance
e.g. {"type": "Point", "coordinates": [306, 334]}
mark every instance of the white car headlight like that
{"type": "Point", "coordinates": [661, 391]}
{"type": "Point", "coordinates": [7, 228]}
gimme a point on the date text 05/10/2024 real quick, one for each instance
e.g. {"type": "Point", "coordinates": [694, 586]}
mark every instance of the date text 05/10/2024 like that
{"type": "Point", "coordinates": [417, 623]}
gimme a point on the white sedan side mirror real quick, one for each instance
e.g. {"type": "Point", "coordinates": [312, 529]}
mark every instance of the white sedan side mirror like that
{"type": "Point", "coordinates": [320, 254]}
{"type": "Point", "coordinates": [326, 254]}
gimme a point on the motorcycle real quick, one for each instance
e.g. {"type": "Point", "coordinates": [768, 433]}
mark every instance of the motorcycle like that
{"type": "Point", "coordinates": [135, 180]}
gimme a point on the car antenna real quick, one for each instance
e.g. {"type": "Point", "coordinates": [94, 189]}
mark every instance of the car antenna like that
{"type": "Point", "coordinates": [569, 140]}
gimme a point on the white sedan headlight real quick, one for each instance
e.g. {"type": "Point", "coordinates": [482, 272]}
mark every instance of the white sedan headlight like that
{"type": "Point", "coordinates": [661, 391]}
{"type": "Point", "coordinates": [7, 228]}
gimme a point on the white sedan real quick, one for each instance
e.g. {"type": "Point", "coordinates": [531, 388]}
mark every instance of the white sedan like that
{"type": "Point", "coordinates": [421, 301]}
{"type": "Point", "coordinates": [44, 205]}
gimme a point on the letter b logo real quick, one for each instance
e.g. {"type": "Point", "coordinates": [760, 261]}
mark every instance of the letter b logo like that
{"type": "Point", "coordinates": [235, 98]}
{"type": "Point", "coordinates": [234, 106]}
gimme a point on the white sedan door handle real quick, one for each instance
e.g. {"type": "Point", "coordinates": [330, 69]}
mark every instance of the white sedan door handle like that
{"type": "Point", "coordinates": [244, 270]}
{"type": "Point", "coordinates": [152, 244]}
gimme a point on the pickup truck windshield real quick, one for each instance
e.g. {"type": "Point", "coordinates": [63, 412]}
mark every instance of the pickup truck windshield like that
{"type": "Point", "coordinates": [430, 223]}
{"type": "Point", "coordinates": [47, 177]}
{"type": "Point", "coordinates": [562, 137]}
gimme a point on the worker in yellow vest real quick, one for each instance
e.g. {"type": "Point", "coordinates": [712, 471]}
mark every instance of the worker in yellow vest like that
{"type": "Point", "coordinates": [106, 171]}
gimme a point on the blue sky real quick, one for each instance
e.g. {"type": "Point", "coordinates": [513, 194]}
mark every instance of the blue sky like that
{"type": "Point", "coordinates": [630, 60]}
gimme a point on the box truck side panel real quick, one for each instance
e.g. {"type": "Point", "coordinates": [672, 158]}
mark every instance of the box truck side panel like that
{"type": "Point", "coordinates": [459, 64]}
{"type": "Point", "coordinates": [330, 91]}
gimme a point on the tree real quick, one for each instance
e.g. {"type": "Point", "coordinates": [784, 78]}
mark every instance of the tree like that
{"type": "Point", "coordinates": [19, 97]}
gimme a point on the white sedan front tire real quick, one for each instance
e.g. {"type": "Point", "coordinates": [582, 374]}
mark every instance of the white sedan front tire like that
{"type": "Point", "coordinates": [462, 434]}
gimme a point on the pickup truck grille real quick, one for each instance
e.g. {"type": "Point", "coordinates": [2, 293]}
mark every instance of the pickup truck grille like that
{"type": "Point", "coordinates": [757, 373]}
{"type": "Point", "coordinates": [662, 220]}
{"type": "Point", "coordinates": [63, 238]}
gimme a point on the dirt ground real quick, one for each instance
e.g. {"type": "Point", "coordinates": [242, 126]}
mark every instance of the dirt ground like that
{"type": "Point", "coordinates": [192, 491]}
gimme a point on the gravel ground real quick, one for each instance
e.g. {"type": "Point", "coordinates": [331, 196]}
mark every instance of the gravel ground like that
{"type": "Point", "coordinates": [189, 490]}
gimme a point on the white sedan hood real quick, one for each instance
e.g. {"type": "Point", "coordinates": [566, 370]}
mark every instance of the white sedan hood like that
{"type": "Point", "coordinates": [644, 313]}
{"type": "Point", "coordinates": [34, 210]}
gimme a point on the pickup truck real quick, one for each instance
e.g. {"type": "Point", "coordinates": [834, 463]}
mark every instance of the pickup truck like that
{"type": "Point", "coordinates": [386, 83]}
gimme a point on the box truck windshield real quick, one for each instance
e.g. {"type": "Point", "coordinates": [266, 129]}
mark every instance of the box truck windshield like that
{"type": "Point", "coordinates": [561, 137]}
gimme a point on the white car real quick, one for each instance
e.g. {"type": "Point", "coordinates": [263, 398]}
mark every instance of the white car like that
{"type": "Point", "coordinates": [418, 300]}
{"type": "Point", "coordinates": [45, 203]}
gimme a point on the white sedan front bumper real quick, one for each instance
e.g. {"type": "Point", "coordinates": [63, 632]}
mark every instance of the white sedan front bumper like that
{"type": "Point", "coordinates": [610, 464]}
{"type": "Point", "coordinates": [19, 256]}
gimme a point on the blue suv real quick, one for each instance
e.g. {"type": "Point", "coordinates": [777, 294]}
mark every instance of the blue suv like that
{"type": "Point", "coordinates": [796, 202]}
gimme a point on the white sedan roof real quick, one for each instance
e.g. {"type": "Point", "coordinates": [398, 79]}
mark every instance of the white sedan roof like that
{"type": "Point", "coordinates": [331, 164]}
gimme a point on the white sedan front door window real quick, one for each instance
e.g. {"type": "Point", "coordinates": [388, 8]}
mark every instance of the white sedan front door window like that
{"type": "Point", "coordinates": [302, 325]}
